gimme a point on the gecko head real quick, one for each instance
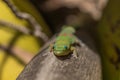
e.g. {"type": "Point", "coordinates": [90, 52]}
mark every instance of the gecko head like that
{"type": "Point", "coordinates": [61, 50]}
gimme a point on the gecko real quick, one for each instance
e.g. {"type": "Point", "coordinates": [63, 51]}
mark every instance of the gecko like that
{"type": "Point", "coordinates": [65, 42]}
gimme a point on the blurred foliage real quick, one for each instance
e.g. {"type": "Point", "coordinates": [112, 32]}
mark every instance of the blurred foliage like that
{"type": "Point", "coordinates": [10, 65]}
{"type": "Point", "coordinates": [29, 8]}
{"type": "Point", "coordinates": [109, 40]}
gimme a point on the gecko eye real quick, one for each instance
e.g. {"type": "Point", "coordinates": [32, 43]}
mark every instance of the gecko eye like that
{"type": "Point", "coordinates": [54, 46]}
{"type": "Point", "coordinates": [65, 47]}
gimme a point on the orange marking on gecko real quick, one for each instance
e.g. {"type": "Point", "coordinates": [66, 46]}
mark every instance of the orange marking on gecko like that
{"type": "Point", "coordinates": [66, 34]}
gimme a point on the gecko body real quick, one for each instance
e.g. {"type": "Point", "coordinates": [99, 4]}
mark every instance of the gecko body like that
{"type": "Point", "coordinates": [64, 43]}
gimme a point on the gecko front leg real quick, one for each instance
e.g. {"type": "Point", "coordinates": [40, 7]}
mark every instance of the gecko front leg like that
{"type": "Point", "coordinates": [51, 47]}
{"type": "Point", "coordinates": [73, 49]}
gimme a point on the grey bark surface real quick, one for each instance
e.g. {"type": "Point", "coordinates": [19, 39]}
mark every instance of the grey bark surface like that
{"type": "Point", "coordinates": [46, 66]}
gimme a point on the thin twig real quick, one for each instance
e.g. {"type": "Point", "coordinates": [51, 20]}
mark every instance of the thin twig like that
{"type": "Point", "coordinates": [16, 27]}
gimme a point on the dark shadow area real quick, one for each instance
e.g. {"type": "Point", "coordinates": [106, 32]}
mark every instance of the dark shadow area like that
{"type": "Point", "coordinates": [65, 57]}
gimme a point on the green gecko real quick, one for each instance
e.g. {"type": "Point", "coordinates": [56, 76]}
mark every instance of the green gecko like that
{"type": "Point", "coordinates": [65, 43]}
